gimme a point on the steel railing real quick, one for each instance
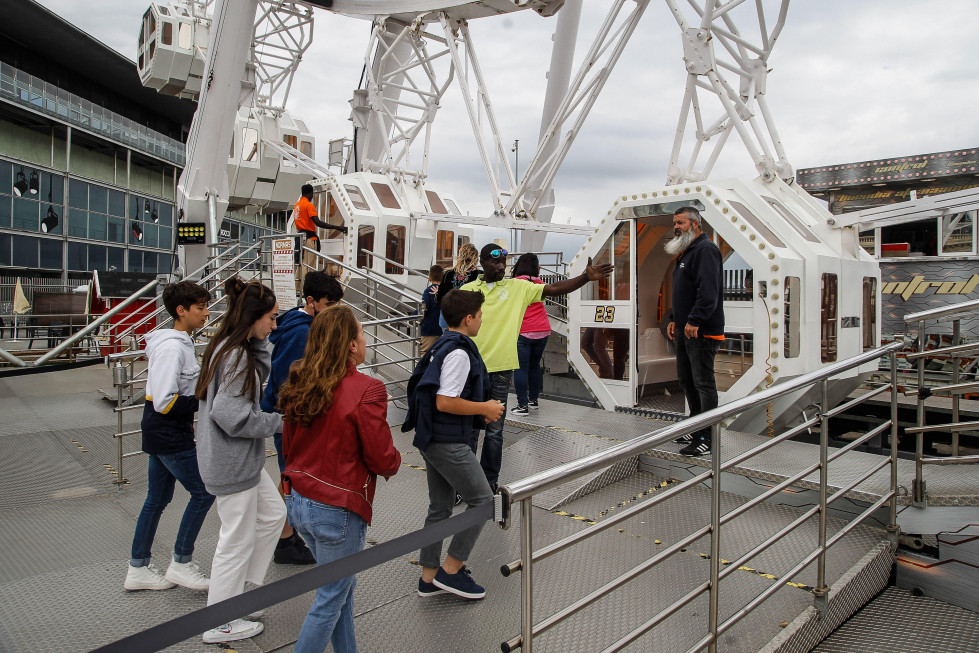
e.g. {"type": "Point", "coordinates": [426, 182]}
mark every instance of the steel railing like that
{"type": "Point", "coordinates": [953, 389]}
{"type": "Point", "coordinates": [521, 494]}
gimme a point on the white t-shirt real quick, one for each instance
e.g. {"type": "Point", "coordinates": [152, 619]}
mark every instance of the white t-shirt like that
{"type": "Point", "coordinates": [455, 371]}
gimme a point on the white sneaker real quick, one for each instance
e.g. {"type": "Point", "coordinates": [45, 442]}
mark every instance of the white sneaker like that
{"type": "Point", "coordinates": [145, 578]}
{"type": "Point", "coordinates": [188, 575]}
{"type": "Point", "coordinates": [230, 632]}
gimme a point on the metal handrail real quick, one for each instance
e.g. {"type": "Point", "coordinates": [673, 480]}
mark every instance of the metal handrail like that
{"type": "Point", "coordinates": [367, 275]}
{"type": "Point", "coordinates": [545, 480]}
{"type": "Point", "coordinates": [393, 262]}
{"type": "Point", "coordinates": [962, 309]}
{"type": "Point", "coordinates": [524, 490]}
{"type": "Point", "coordinates": [955, 389]}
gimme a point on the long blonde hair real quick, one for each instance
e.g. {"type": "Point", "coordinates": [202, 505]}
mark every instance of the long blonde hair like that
{"type": "Point", "coordinates": [467, 259]}
{"type": "Point", "coordinates": [314, 377]}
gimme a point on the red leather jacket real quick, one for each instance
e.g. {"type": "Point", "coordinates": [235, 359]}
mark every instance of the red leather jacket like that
{"type": "Point", "coordinates": [336, 460]}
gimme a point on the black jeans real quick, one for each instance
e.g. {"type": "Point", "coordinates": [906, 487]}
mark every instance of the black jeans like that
{"type": "Point", "coordinates": [695, 373]}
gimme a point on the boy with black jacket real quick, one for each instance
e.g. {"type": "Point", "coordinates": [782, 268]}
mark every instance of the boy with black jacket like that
{"type": "Point", "coordinates": [447, 394]}
{"type": "Point", "coordinates": [168, 439]}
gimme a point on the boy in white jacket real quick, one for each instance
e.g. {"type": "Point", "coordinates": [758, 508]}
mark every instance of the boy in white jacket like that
{"type": "Point", "coordinates": [168, 440]}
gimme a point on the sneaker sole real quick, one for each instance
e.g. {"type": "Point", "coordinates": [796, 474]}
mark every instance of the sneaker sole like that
{"type": "Point", "coordinates": [233, 637]}
{"type": "Point", "coordinates": [196, 588]}
{"type": "Point", "coordinates": [135, 587]}
{"type": "Point", "coordinates": [435, 593]}
{"type": "Point", "coordinates": [458, 592]}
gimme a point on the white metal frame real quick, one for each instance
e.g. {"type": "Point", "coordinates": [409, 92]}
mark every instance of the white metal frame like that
{"type": "Point", "coordinates": [402, 96]}
{"type": "Point", "coordinates": [283, 33]}
{"type": "Point", "coordinates": [744, 108]}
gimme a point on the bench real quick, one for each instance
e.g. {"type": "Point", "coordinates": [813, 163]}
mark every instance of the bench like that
{"type": "Point", "coordinates": [656, 358]}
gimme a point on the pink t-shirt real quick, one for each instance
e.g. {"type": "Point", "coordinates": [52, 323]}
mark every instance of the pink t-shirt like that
{"type": "Point", "coordinates": [535, 321]}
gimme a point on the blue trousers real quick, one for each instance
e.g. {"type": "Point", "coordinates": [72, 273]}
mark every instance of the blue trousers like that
{"type": "Point", "coordinates": [530, 376]}
{"type": "Point", "coordinates": [164, 471]}
{"type": "Point", "coordinates": [330, 533]}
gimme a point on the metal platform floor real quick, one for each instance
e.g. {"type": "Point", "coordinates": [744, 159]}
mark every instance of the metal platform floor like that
{"type": "Point", "coordinates": [899, 621]}
{"type": "Point", "coordinates": [66, 528]}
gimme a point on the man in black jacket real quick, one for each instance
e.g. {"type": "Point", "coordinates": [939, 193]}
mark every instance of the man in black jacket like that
{"type": "Point", "coordinates": [698, 308]}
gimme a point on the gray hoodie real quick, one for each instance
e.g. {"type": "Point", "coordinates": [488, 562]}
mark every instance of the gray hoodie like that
{"type": "Point", "coordinates": [231, 429]}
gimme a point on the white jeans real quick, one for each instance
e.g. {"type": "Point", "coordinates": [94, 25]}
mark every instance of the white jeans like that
{"type": "Point", "coordinates": [251, 522]}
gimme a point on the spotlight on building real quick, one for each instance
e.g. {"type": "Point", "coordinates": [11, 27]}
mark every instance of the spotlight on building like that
{"type": "Point", "coordinates": [20, 186]}
{"type": "Point", "coordinates": [155, 217]}
{"type": "Point", "coordinates": [137, 231]}
{"type": "Point", "coordinates": [35, 182]}
{"type": "Point", "coordinates": [146, 207]}
{"type": "Point", "coordinates": [50, 223]}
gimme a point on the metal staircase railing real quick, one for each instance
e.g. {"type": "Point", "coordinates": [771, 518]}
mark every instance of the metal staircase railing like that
{"type": "Point", "coordinates": [960, 384]}
{"type": "Point", "coordinates": [521, 493]}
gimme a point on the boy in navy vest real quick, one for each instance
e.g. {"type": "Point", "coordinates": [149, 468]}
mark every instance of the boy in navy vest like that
{"type": "Point", "coordinates": [446, 402]}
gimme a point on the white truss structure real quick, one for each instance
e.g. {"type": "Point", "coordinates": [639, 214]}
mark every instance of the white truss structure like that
{"type": "Point", "coordinates": [606, 48]}
{"type": "Point", "coordinates": [401, 97]}
{"type": "Point", "coordinates": [283, 33]}
{"type": "Point", "coordinates": [743, 105]}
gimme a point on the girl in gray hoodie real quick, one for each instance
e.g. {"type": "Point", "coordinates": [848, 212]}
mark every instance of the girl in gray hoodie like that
{"type": "Point", "coordinates": [231, 432]}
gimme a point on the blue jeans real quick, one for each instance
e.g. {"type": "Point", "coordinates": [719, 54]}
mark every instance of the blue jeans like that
{"type": "Point", "coordinates": [530, 351]}
{"type": "Point", "coordinates": [330, 533]}
{"type": "Point", "coordinates": [492, 457]}
{"type": "Point", "coordinates": [695, 374]}
{"type": "Point", "coordinates": [450, 468]}
{"type": "Point", "coordinates": [164, 471]}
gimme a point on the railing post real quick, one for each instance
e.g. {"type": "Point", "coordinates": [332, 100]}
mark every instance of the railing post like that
{"type": "Point", "coordinates": [918, 484]}
{"type": "Point", "coordinates": [119, 379]}
{"type": "Point", "coordinates": [821, 592]}
{"type": "Point", "coordinates": [715, 534]}
{"type": "Point", "coordinates": [526, 576]}
{"type": "Point", "coordinates": [893, 530]}
{"type": "Point", "coordinates": [955, 379]}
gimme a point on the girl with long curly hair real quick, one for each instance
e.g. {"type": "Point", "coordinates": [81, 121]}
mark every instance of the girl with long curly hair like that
{"type": "Point", "coordinates": [465, 270]}
{"type": "Point", "coordinates": [336, 441]}
{"type": "Point", "coordinates": [231, 432]}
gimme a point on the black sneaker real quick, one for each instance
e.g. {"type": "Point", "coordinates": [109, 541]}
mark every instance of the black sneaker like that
{"type": "Point", "coordinates": [293, 551]}
{"type": "Point", "coordinates": [428, 589]}
{"type": "Point", "coordinates": [519, 410]}
{"type": "Point", "coordinates": [684, 439]}
{"type": "Point", "coordinates": [460, 583]}
{"type": "Point", "coordinates": [533, 404]}
{"type": "Point", "coordinates": [458, 499]}
{"type": "Point", "coordinates": [696, 447]}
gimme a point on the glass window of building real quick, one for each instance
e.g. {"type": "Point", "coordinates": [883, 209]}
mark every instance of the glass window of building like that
{"type": "Point", "coordinates": [50, 253]}
{"type": "Point", "coordinates": [24, 252]}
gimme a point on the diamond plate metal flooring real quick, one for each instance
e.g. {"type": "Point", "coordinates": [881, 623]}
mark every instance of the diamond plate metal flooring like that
{"type": "Point", "coordinates": [951, 485]}
{"type": "Point", "coordinates": [899, 621]}
{"type": "Point", "coordinates": [66, 528]}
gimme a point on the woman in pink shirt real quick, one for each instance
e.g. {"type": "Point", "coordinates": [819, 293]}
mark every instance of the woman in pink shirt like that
{"type": "Point", "coordinates": [534, 331]}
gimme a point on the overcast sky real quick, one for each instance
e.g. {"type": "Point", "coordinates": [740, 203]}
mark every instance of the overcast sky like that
{"type": "Point", "coordinates": [851, 80]}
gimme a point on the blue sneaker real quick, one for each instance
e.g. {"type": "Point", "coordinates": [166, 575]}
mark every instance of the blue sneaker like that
{"type": "Point", "coordinates": [460, 583]}
{"type": "Point", "coordinates": [428, 589]}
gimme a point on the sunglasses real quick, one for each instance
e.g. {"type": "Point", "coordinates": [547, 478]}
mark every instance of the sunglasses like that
{"type": "Point", "coordinates": [497, 253]}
